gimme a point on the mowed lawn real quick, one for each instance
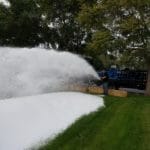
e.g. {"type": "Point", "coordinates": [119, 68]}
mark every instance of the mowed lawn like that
{"type": "Point", "coordinates": [124, 124]}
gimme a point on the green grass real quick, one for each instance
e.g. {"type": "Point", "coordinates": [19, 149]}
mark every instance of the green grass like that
{"type": "Point", "coordinates": [124, 124]}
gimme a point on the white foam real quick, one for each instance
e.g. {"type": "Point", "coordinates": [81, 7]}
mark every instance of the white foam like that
{"type": "Point", "coordinates": [26, 71]}
{"type": "Point", "coordinates": [27, 121]}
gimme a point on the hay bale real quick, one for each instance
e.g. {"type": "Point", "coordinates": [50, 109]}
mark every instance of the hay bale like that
{"type": "Point", "coordinates": [119, 93]}
{"type": "Point", "coordinates": [82, 89]}
{"type": "Point", "coordinates": [95, 90]}
{"type": "Point", "coordinates": [79, 88]}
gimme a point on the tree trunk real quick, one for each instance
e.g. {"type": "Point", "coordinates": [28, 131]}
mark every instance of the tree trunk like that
{"type": "Point", "coordinates": [147, 92]}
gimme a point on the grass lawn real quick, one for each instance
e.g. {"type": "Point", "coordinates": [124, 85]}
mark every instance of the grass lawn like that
{"type": "Point", "coordinates": [124, 124]}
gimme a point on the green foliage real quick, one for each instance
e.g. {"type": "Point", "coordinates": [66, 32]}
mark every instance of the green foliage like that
{"type": "Point", "coordinates": [96, 62]}
{"type": "Point", "coordinates": [102, 42]}
{"type": "Point", "coordinates": [64, 32]}
{"type": "Point", "coordinates": [129, 60]}
{"type": "Point", "coordinates": [21, 24]}
{"type": "Point", "coordinates": [90, 27]}
{"type": "Point", "coordinates": [53, 23]}
{"type": "Point", "coordinates": [128, 23]}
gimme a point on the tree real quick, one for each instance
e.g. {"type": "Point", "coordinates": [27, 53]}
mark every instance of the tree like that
{"type": "Point", "coordinates": [119, 25]}
{"type": "Point", "coordinates": [20, 23]}
{"type": "Point", "coordinates": [61, 29]}
{"type": "Point", "coordinates": [4, 13]}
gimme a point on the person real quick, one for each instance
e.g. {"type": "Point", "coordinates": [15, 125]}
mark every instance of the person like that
{"type": "Point", "coordinates": [105, 79]}
{"type": "Point", "coordinates": [113, 76]}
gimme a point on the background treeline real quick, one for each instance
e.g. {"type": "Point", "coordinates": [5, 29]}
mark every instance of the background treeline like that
{"type": "Point", "coordinates": [104, 31]}
{"type": "Point", "coordinates": [50, 22]}
{"type": "Point", "coordinates": [107, 30]}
